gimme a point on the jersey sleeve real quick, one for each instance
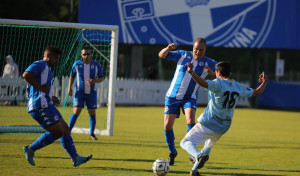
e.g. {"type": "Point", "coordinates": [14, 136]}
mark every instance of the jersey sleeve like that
{"type": "Point", "coordinates": [73, 71]}
{"type": "Point", "coordinates": [175, 55]}
{"type": "Point", "coordinates": [212, 63]}
{"type": "Point", "coordinates": [213, 85]}
{"type": "Point", "coordinates": [245, 91]}
{"type": "Point", "coordinates": [36, 68]}
{"type": "Point", "coordinates": [100, 71]}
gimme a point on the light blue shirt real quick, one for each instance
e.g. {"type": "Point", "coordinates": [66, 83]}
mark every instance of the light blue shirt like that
{"type": "Point", "coordinates": [222, 95]}
{"type": "Point", "coordinates": [84, 72]}
{"type": "Point", "coordinates": [35, 98]}
{"type": "Point", "coordinates": [183, 86]}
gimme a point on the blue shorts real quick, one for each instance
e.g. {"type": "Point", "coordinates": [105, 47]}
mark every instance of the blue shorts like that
{"type": "Point", "coordinates": [172, 106]}
{"type": "Point", "coordinates": [89, 99]}
{"type": "Point", "coordinates": [46, 117]}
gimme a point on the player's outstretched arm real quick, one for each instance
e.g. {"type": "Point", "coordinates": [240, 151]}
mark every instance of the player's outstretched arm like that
{"type": "Point", "coordinates": [263, 79]}
{"type": "Point", "coordinates": [164, 52]}
{"type": "Point", "coordinates": [197, 78]}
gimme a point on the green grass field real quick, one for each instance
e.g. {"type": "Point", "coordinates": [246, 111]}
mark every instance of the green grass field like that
{"type": "Point", "coordinates": [259, 143]}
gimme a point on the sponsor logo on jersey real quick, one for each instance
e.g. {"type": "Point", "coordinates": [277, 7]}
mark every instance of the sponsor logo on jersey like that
{"type": "Point", "coordinates": [56, 118]}
{"type": "Point", "coordinates": [92, 66]}
{"type": "Point", "coordinates": [201, 63]}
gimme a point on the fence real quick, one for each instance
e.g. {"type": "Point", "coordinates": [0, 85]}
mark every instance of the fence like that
{"type": "Point", "coordinates": [128, 91]}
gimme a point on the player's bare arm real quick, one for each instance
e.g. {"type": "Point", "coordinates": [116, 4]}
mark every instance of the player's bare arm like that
{"type": "Point", "coordinates": [70, 90]}
{"type": "Point", "coordinates": [196, 78]}
{"type": "Point", "coordinates": [164, 52]}
{"type": "Point", "coordinates": [263, 79]}
{"type": "Point", "coordinates": [55, 100]}
{"type": "Point", "coordinates": [209, 70]}
{"type": "Point", "coordinates": [94, 81]}
{"type": "Point", "coordinates": [30, 79]}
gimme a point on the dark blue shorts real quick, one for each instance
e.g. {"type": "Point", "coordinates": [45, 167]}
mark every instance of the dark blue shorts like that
{"type": "Point", "coordinates": [89, 99]}
{"type": "Point", "coordinates": [172, 106]}
{"type": "Point", "coordinates": [46, 117]}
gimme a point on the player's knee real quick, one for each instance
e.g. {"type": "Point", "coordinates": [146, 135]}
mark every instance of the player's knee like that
{"type": "Point", "coordinates": [183, 141]}
{"type": "Point", "coordinates": [168, 127]}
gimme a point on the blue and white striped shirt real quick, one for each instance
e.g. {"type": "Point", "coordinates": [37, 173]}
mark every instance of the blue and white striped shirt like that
{"type": "Point", "coordinates": [84, 72]}
{"type": "Point", "coordinates": [35, 98]}
{"type": "Point", "coordinates": [183, 86]}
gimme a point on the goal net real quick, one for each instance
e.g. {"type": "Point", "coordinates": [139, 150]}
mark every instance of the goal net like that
{"type": "Point", "coordinates": [23, 42]}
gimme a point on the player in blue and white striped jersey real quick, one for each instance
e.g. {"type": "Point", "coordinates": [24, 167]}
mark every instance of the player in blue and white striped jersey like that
{"type": "Point", "coordinates": [87, 73]}
{"type": "Point", "coordinates": [183, 91]}
{"type": "Point", "coordinates": [41, 107]}
{"type": "Point", "coordinates": [217, 117]}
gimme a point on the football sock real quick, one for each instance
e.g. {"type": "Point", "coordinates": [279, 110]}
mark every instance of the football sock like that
{"type": "Point", "coordinates": [206, 149]}
{"type": "Point", "coordinates": [68, 144]}
{"type": "Point", "coordinates": [72, 121]}
{"type": "Point", "coordinates": [189, 147]}
{"type": "Point", "coordinates": [170, 138]}
{"type": "Point", "coordinates": [44, 140]}
{"type": "Point", "coordinates": [92, 124]}
{"type": "Point", "coordinates": [190, 126]}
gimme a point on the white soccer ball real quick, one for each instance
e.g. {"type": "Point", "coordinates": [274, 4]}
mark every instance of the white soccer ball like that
{"type": "Point", "coordinates": [161, 167]}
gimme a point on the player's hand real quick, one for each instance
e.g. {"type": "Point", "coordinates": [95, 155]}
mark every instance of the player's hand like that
{"type": "Point", "coordinates": [90, 82]}
{"type": "Point", "coordinates": [44, 88]}
{"type": "Point", "coordinates": [70, 92]}
{"type": "Point", "coordinates": [55, 100]}
{"type": "Point", "coordinates": [263, 77]}
{"type": "Point", "coordinates": [172, 46]}
{"type": "Point", "coordinates": [208, 70]}
{"type": "Point", "coordinates": [190, 67]}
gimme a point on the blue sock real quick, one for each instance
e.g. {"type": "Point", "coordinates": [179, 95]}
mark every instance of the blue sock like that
{"type": "Point", "coordinates": [68, 144]}
{"type": "Point", "coordinates": [72, 121]}
{"type": "Point", "coordinates": [190, 126]}
{"type": "Point", "coordinates": [191, 149]}
{"type": "Point", "coordinates": [44, 140]}
{"type": "Point", "coordinates": [92, 124]}
{"type": "Point", "coordinates": [170, 138]}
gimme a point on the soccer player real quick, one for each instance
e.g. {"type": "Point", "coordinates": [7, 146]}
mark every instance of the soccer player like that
{"type": "Point", "coordinates": [217, 117]}
{"type": "Point", "coordinates": [87, 73]}
{"type": "Point", "coordinates": [183, 91]}
{"type": "Point", "coordinates": [41, 106]}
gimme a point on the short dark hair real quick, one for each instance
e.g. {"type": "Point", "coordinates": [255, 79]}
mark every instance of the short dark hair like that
{"type": "Point", "coordinates": [200, 40]}
{"type": "Point", "coordinates": [53, 50]}
{"type": "Point", "coordinates": [85, 48]}
{"type": "Point", "coordinates": [224, 68]}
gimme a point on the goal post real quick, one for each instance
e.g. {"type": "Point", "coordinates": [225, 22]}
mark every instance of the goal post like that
{"type": "Point", "coordinates": [26, 40]}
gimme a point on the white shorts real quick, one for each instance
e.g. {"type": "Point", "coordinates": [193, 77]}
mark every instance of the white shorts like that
{"type": "Point", "coordinates": [199, 134]}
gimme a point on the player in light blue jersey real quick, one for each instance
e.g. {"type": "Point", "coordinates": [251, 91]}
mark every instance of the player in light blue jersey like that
{"type": "Point", "coordinates": [183, 91]}
{"type": "Point", "coordinates": [41, 107]}
{"type": "Point", "coordinates": [87, 73]}
{"type": "Point", "coordinates": [217, 117]}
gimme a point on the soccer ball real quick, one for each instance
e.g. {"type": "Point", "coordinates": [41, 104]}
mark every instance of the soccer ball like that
{"type": "Point", "coordinates": [161, 167]}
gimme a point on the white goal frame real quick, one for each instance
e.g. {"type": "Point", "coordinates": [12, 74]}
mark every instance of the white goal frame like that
{"type": "Point", "coordinates": [112, 73]}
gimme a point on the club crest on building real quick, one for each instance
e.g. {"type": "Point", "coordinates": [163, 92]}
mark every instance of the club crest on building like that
{"type": "Point", "coordinates": [156, 21]}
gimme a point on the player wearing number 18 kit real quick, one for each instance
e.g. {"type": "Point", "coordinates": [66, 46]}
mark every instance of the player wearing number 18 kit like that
{"type": "Point", "coordinates": [217, 117]}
